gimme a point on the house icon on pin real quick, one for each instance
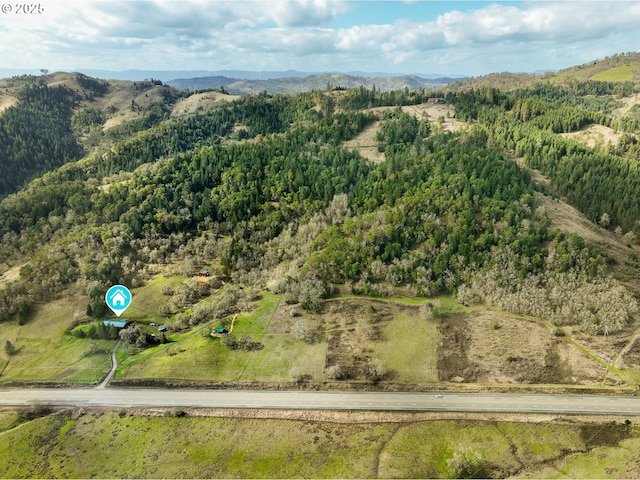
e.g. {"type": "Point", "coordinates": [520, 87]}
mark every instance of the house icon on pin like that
{"type": "Point", "coordinates": [118, 299]}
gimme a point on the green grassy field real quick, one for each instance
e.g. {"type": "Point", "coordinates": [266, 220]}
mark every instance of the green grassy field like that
{"type": "Point", "coordinates": [623, 73]}
{"type": "Point", "coordinates": [118, 446]}
{"type": "Point", "coordinates": [9, 420]}
{"type": "Point", "coordinates": [147, 299]}
{"type": "Point", "coordinates": [198, 358]}
{"type": "Point", "coordinates": [603, 462]}
{"type": "Point", "coordinates": [408, 348]}
{"type": "Point", "coordinates": [46, 353]}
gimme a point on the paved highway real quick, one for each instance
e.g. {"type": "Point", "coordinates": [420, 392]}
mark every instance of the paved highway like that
{"type": "Point", "coordinates": [378, 401]}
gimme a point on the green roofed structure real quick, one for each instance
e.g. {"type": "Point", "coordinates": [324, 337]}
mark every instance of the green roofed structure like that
{"type": "Point", "coordinates": [116, 323]}
{"type": "Point", "coordinates": [219, 332]}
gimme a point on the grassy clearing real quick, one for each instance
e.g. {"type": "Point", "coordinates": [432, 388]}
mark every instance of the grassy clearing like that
{"type": "Point", "coordinates": [623, 73]}
{"type": "Point", "coordinates": [109, 445]}
{"type": "Point", "coordinates": [631, 376]}
{"type": "Point", "coordinates": [601, 462]}
{"type": "Point", "coordinates": [147, 299]}
{"type": "Point", "coordinates": [535, 443]}
{"type": "Point", "coordinates": [421, 450]}
{"type": "Point", "coordinates": [9, 420]}
{"type": "Point", "coordinates": [408, 347]}
{"type": "Point", "coordinates": [70, 360]}
{"type": "Point", "coordinates": [152, 447]}
{"type": "Point", "coordinates": [10, 274]}
{"type": "Point", "coordinates": [23, 450]}
{"type": "Point", "coordinates": [257, 321]}
{"type": "Point", "coordinates": [174, 360]}
{"type": "Point", "coordinates": [408, 301]}
{"type": "Point", "coordinates": [46, 353]}
{"type": "Point", "coordinates": [281, 354]}
{"type": "Point", "coordinates": [197, 358]}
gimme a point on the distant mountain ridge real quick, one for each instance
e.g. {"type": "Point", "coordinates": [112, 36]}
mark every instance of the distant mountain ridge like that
{"type": "Point", "coordinates": [296, 84]}
{"type": "Point", "coordinates": [244, 81]}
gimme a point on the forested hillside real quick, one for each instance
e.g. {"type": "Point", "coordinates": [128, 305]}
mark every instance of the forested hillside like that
{"type": "Point", "coordinates": [598, 181]}
{"type": "Point", "coordinates": [36, 135]}
{"type": "Point", "coordinates": [262, 190]}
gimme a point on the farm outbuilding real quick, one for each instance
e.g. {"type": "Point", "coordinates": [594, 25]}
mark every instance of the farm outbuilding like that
{"type": "Point", "coordinates": [219, 331]}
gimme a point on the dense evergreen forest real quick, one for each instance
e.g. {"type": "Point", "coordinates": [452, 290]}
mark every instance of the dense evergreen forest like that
{"type": "Point", "coordinates": [598, 181]}
{"type": "Point", "coordinates": [264, 188]}
{"type": "Point", "coordinates": [36, 135]}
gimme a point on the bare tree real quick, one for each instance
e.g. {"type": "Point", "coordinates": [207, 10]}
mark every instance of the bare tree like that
{"type": "Point", "coordinates": [336, 372]}
{"type": "Point", "coordinates": [374, 370]}
{"type": "Point", "coordinates": [366, 330]}
{"type": "Point", "coordinates": [302, 330]}
{"type": "Point", "coordinates": [338, 210]}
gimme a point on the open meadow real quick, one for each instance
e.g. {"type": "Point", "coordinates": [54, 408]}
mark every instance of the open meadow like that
{"type": "Point", "coordinates": [175, 444]}
{"type": "Point", "coordinates": [45, 352]}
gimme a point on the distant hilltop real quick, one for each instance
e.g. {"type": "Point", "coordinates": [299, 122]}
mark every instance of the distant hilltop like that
{"type": "Point", "coordinates": [311, 82]}
{"type": "Point", "coordinates": [289, 81]}
{"type": "Point", "coordinates": [169, 75]}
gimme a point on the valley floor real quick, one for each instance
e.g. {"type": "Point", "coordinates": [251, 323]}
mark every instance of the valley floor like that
{"type": "Point", "coordinates": [258, 443]}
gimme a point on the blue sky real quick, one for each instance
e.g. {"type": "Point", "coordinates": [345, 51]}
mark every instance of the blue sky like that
{"type": "Point", "coordinates": [386, 11]}
{"type": "Point", "coordinates": [400, 36]}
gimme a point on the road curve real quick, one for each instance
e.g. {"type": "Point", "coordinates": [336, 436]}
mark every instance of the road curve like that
{"type": "Point", "coordinates": [297, 400]}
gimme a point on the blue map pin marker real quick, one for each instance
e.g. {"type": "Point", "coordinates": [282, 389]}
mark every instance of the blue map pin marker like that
{"type": "Point", "coordinates": [118, 299]}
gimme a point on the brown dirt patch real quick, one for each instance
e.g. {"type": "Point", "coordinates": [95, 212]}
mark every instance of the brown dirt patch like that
{"type": "Point", "coordinates": [347, 345]}
{"type": "Point", "coordinates": [595, 135]}
{"type": "Point", "coordinates": [489, 347]}
{"type": "Point", "coordinates": [337, 416]}
{"type": "Point", "coordinates": [631, 356]}
{"type": "Point", "coordinates": [197, 101]}
{"type": "Point", "coordinates": [10, 275]}
{"type": "Point", "coordinates": [6, 101]}
{"type": "Point", "coordinates": [610, 433]}
{"type": "Point", "coordinates": [119, 100]}
{"type": "Point", "coordinates": [365, 142]}
{"type": "Point", "coordinates": [568, 219]}
{"type": "Point", "coordinates": [628, 103]}
{"type": "Point", "coordinates": [340, 325]}
{"type": "Point", "coordinates": [63, 79]}
{"type": "Point", "coordinates": [435, 111]}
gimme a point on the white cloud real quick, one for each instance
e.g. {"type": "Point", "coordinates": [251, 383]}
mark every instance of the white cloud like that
{"type": "Point", "coordinates": [541, 21]}
{"type": "Point", "coordinates": [167, 34]}
{"type": "Point", "coordinates": [367, 38]}
{"type": "Point", "coordinates": [299, 13]}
